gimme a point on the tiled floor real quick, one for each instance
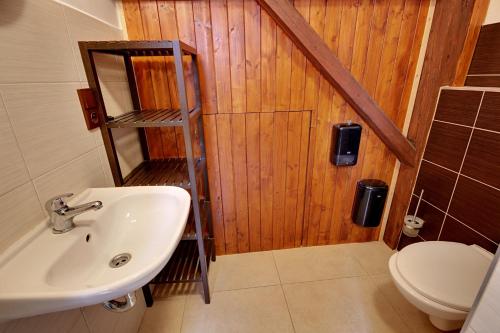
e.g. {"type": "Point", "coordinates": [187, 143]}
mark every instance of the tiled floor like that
{"type": "Point", "coordinates": [336, 288]}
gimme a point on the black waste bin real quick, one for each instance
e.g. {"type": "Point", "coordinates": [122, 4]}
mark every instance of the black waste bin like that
{"type": "Point", "coordinates": [369, 202]}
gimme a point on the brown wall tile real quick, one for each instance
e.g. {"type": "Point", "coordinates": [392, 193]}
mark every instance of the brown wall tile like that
{"type": "Point", "coordinates": [437, 184]}
{"type": "Point", "coordinates": [483, 158]}
{"type": "Point", "coordinates": [458, 106]}
{"type": "Point", "coordinates": [478, 206]}
{"type": "Point", "coordinates": [489, 114]}
{"type": "Point", "coordinates": [433, 219]}
{"type": "Point", "coordinates": [405, 241]}
{"type": "Point", "coordinates": [486, 59]}
{"type": "Point", "coordinates": [446, 145]}
{"type": "Point", "coordinates": [454, 231]}
{"type": "Point", "coordinates": [483, 81]}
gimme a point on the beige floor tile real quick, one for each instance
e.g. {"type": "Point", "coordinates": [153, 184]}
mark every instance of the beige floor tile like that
{"type": "Point", "coordinates": [341, 305]}
{"type": "Point", "coordinates": [316, 263]}
{"type": "Point", "coordinates": [246, 310]}
{"type": "Point", "coordinates": [244, 270]}
{"type": "Point", "coordinates": [164, 317]}
{"type": "Point", "coordinates": [414, 318]}
{"type": "Point", "coordinates": [373, 256]}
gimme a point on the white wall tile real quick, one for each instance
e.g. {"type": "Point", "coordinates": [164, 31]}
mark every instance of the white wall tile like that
{"type": "Point", "coordinates": [75, 176]}
{"type": "Point", "coordinates": [34, 43]}
{"type": "Point", "coordinates": [48, 124]}
{"type": "Point", "coordinates": [12, 169]}
{"type": "Point", "coordinates": [128, 149]}
{"type": "Point", "coordinates": [108, 176]}
{"type": "Point", "coordinates": [102, 320]}
{"type": "Point", "coordinates": [67, 321]}
{"type": "Point", "coordinates": [85, 28]}
{"type": "Point", "coordinates": [20, 211]}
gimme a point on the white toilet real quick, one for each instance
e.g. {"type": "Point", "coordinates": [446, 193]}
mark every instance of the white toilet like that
{"type": "Point", "coordinates": [441, 279]}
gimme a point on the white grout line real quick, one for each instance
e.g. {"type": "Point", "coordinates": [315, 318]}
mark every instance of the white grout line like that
{"type": "Point", "coordinates": [439, 165]}
{"type": "Point", "coordinates": [462, 164]}
{"type": "Point", "coordinates": [430, 204]}
{"type": "Point", "coordinates": [483, 74]}
{"type": "Point", "coordinates": [469, 227]}
{"type": "Point", "coordinates": [473, 88]}
{"type": "Point", "coordinates": [461, 125]}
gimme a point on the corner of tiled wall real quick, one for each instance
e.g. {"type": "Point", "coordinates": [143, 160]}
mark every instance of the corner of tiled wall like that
{"type": "Point", "coordinates": [460, 170]}
{"type": "Point", "coordinates": [45, 148]}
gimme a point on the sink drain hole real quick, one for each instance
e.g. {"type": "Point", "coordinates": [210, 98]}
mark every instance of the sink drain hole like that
{"type": "Point", "coordinates": [119, 260]}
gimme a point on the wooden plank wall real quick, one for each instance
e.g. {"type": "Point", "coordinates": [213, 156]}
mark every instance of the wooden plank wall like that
{"type": "Point", "coordinates": [268, 114]}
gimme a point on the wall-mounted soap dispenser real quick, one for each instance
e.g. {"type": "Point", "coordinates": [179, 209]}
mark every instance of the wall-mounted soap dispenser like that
{"type": "Point", "coordinates": [345, 144]}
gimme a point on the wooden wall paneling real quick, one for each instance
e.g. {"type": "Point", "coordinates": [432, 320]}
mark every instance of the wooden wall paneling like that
{"type": "Point", "coordinates": [317, 11]}
{"type": "Point", "coordinates": [218, 10]}
{"type": "Point", "coordinates": [279, 177]}
{"type": "Point", "coordinates": [268, 62]}
{"type": "Point", "coordinates": [374, 48]}
{"type": "Point", "coordinates": [450, 23]}
{"type": "Point", "coordinates": [293, 195]}
{"type": "Point", "coordinates": [238, 129]}
{"type": "Point", "coordinates": [283, 70]}
{"type": "Point", "coordinates": [298, 60]}
{"type": "Point", "coordinates": [347, 40]}
{"type": "Point", "coordinates": [210, 129]}
{"type": "Point", "coordinates": [395, 106]}
{"type": "Point", "coordinates": [133, 20]}
{"type": "Point", "coordinates": [476, 21]}
{"type": "Point", "coordinates": [254, 184]}
{"type": "Point", "coordinates": [328, 116]}
{"type": "Point", "coordinates": [151, 27]}
{"type": "Point", "coordinates": [185, 30]}
{"type": "Point", "coordinates": [266, 179]}
{"type": "Point", "coordinates": [323, 58]}
{"type": "Point", "coordinates": [305, 137]}
{"type": "Point", "coordinates": [292, 171]}
{"type": "Point", "coordinates": [236, 26]}
{"type": "Point", "coordinates": [252, 55]}
{"type": "Point", "coordinates": [205, 51]}
{"type": "Point", "coordinates": [224, 145]}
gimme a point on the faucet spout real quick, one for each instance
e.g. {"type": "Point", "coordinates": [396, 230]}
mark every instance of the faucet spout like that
{"type": "Point", "coordinates": [62, 215]}
{"type": "Point", "coordinates": [77, 210]}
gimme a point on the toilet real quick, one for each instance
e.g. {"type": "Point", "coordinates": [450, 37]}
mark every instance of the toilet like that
{"type": "Point", "coordinates": [440, 278]}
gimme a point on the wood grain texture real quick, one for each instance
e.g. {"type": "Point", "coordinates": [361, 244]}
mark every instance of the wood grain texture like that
{"type": "Point", "coordinates": [450, 23]}
{"type": "Point", "coordinates": [317, 51]}
{"type": "Point", "coordinates": [271, 182]}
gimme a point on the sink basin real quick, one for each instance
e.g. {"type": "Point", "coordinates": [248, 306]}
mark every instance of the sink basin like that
{"type": "Point", "coordinates": [46, 272]}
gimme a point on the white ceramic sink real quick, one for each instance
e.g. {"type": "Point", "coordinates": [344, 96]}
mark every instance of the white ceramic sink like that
{"type": "Point", "coordinates": [48, 272]}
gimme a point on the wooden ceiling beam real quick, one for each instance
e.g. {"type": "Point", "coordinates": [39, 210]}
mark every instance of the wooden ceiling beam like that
{"type": "Point", "coordinates": [318, 53]}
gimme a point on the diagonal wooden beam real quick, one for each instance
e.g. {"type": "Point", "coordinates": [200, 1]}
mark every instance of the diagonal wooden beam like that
{"type": "Point", "coordinates": [318, 53]}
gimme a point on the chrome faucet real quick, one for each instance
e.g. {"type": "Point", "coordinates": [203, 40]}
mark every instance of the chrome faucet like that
{"type": "Point", "coordinates": [62, 215]}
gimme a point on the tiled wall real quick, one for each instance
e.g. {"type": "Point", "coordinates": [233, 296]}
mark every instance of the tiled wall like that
{"type": "Point", "coordinates": [484, 70]}
{"type": "Point", "coordinates": [460, 170]}
{"type": "Point", "coordinates": [45, 148]}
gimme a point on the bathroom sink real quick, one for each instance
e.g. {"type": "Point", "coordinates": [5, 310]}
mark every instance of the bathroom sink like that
{"type": "Point", "coordinates": [138, 227]}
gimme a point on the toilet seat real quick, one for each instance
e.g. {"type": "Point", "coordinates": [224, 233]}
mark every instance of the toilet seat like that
{"type": "Point", "coordinates": [447, 273]}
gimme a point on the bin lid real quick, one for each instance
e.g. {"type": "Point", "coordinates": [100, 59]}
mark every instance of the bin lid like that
{"type": "Point", "coordinates": [372, 183]}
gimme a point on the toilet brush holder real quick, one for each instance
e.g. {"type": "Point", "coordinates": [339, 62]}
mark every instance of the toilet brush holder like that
{"type": "Point", "coordinates": [412, 225]}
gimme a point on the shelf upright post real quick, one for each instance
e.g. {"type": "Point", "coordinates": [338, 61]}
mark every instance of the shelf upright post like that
{"type": "Point", "coordinates": [181, 87]}
{"type": "Point", "coordinates": [201, 134]}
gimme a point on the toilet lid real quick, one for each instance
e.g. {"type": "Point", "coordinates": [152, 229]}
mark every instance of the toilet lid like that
{"type": "Point", "coordinates": [448, 273]}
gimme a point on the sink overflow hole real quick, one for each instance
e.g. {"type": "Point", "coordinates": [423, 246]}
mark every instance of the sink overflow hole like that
{"type": "Point", "coordinates": [87, 238]}
{"type": "Point", "coordinates": [120, 260]}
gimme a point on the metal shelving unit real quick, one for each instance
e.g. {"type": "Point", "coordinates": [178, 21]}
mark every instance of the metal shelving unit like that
{"type": "Point", "coordinates": [191, 259]}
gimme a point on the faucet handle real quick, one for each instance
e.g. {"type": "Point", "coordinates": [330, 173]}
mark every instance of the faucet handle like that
{"type": "Point", "coordinates": [57, 202]}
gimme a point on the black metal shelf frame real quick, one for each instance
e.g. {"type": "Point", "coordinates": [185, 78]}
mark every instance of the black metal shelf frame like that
{"type": "Point", "coordinates": [183, 172]}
